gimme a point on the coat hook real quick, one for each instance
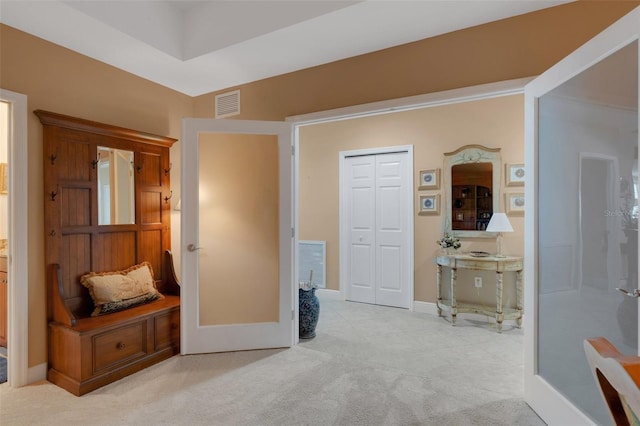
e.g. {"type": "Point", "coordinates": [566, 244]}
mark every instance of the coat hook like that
{"type": "Point", "coordinates": [95, 162]}
{"type": "Point", "coordinates": [54, 194]}
{"type": "Point", "coordinates": [166, 171]}
{"type": "Point", "coordinates": [53, 157]}
{"type": "Point", "coordinates": [166, 199]}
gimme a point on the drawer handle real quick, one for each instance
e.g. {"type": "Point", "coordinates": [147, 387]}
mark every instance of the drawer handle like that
{"type": "Point", "coordinates": [120, 346]}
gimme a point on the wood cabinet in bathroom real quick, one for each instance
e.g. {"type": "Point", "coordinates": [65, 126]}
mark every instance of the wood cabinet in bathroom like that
{"type": "Point", "coordinates": [3, 301]}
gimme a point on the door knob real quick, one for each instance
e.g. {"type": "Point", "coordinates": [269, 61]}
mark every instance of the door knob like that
{"type": "Point", "coordinates": [634, 293]}
{"type": "Point", "coordinates": [192, 247]}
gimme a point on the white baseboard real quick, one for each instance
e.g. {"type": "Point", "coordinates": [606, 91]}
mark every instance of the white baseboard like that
{"type": "Point", "coordinates": [37, 373]}
{"type": "Point", "coordinates": [425, 307]}
{"type": "Point", "coordinates": [329, 294]}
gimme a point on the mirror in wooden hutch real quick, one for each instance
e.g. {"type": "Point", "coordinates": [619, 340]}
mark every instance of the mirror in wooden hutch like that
{"type": "Point", "coordinates": [116, 186]}
{"type": "Point", "coordinates": [472, 183]}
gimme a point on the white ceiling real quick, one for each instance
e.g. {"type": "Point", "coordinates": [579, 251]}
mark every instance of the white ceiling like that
{"type": "Point", "coordinates": [197, 47]}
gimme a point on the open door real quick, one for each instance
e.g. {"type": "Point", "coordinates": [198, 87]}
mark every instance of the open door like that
{"type": "Point", "coordinates": [581, 224]}
{"type": "Point", "coordinates": [237, 239]}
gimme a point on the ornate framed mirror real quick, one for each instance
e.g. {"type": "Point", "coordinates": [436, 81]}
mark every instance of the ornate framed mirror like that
{"type": "Point", "coordinates": [472, 185]}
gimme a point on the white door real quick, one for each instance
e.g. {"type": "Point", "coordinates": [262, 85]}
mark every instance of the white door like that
{"type": "Point", "coordinates": [377, 211]}
{"type": "Point", "coordinates": [237, 239]}
{"type": "Point", "coordinates": [361, 218]}
{"type": "Point", "coordinates": [587, 104]}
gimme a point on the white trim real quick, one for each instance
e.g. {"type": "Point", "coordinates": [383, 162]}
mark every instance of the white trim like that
{"type": "Point", "coordinates": [446, 97]}
{"type": "Point", "coordinates": [295, 294]}
{"type": "Point", "coordinates": [552, 407]}
{"type": "Point", "coordinates": [37, 373]}
{"type": "Point", "coordinates": [329, 294]}
{"type": "Point", "coordinates": [18, 253]}
{"type": "Point", "coordinates": [425, 307]}
{"type": "Point", "coordinates": [410, 212]}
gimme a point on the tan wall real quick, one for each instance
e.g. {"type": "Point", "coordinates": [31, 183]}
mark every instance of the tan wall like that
{"type": "Point", "coordinates": [494, 123]}
{"type": "Point", "coordinates": [59, 80]}
{"type": "Point", "coordinates": [517, 47]}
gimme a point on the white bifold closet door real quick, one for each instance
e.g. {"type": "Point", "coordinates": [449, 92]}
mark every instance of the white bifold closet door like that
{"type": "Point", "coordinates": [375, 211]}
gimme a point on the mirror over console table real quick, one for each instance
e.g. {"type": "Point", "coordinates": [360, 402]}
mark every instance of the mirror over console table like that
{"type": "Point", "coordinates": [472, 184]}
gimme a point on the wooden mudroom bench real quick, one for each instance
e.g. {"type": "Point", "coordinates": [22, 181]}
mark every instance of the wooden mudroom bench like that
{"type": "Point", "coordinates": [88, 352]}
{"type": "Point", "coordinates": [107, 208]}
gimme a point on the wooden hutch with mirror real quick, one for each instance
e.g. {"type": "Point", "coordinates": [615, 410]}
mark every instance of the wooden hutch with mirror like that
{"type": "Point", "coordinates": [107, 208]}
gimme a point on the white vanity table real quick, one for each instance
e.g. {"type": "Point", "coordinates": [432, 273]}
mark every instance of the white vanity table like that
{"type": "Point", "coordinates": [490, 263]}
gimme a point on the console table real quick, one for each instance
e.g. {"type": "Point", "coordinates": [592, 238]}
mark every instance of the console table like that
{"type": "Point", "coordinates": [490, 263]}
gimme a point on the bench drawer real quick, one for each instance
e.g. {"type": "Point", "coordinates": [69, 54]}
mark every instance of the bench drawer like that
{"type": "Point", "coordinates": [119, 345]}
{"type": "Point", "coordinates": [167, 329]}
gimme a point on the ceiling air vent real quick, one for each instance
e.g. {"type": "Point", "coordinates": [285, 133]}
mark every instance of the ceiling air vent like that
{"type": "Point", "coordinates": [228, 104]}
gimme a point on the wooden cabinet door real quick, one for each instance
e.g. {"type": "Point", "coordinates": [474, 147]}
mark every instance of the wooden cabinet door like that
{"type": "Point", "coordinates": [3, 309]}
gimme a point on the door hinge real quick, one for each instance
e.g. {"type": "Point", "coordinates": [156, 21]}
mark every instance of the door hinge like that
{"type": "Point", "coordinates": [293, 150]}
{"type": "Point", "coordinates": [293, 232]}
{"type": "Point", "coordinates": [293, 315]}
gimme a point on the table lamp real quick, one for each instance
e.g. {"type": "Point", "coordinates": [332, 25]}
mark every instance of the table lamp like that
{"type": "Point", "coordinates": [499, 223]}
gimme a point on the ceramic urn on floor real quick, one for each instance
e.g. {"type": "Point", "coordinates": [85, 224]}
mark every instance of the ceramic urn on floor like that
{"type": "Point", "coordinates": [309, 309]}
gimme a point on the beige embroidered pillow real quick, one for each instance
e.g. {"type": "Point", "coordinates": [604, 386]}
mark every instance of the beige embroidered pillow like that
{"type": "Point", "coordinates": [118, 290]}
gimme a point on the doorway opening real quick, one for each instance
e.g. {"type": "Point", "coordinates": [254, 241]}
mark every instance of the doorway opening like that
{"type": "Point", "coordinates": [320, 137]}
{"type": "Point", "coordinates": [18, 373]}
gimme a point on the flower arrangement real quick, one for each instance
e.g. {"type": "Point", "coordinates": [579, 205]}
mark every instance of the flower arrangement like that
{"type": "Point", "coordinates": [308, 285]}
{"type": "Point", "coordinates": [449, 240]}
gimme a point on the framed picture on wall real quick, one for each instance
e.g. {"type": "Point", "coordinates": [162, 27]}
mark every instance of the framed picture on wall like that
{"type": "Point", "coordinates": [514, 174]}
{"type": "Point", "coordinates": [429, 179]}
{"type": "Point", "coordinates": [429, 205]}
{"type": "Point", "coordinates": [514, 203]}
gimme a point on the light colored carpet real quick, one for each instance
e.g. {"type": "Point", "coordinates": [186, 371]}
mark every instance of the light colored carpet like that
{"type": "Point", "coordinates": [368, 365]}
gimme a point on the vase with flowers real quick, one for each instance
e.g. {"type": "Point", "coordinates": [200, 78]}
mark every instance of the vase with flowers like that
{"type": "Point", "coordinates": [449, 243]}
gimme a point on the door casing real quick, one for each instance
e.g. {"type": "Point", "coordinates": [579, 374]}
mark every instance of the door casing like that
{"type": "Point", "coordinates": [18, 370]}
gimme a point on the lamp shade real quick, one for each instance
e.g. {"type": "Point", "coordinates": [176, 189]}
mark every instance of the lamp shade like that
{"type": "Point", "coordinates": [499, 223]}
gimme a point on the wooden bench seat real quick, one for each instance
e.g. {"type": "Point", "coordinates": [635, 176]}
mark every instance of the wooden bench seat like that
{"type": "Point", "coordinates": [91, 323]}
{"type": "Point", "coordinates": [88, 352]}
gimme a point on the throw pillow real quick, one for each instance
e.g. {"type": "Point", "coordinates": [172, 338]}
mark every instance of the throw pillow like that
{"type": "Point", "coordinates": [119, 290]}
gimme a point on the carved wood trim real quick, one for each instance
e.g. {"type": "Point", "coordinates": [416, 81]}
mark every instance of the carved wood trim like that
{"type": "Point", "coordinates": [60, 120]}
